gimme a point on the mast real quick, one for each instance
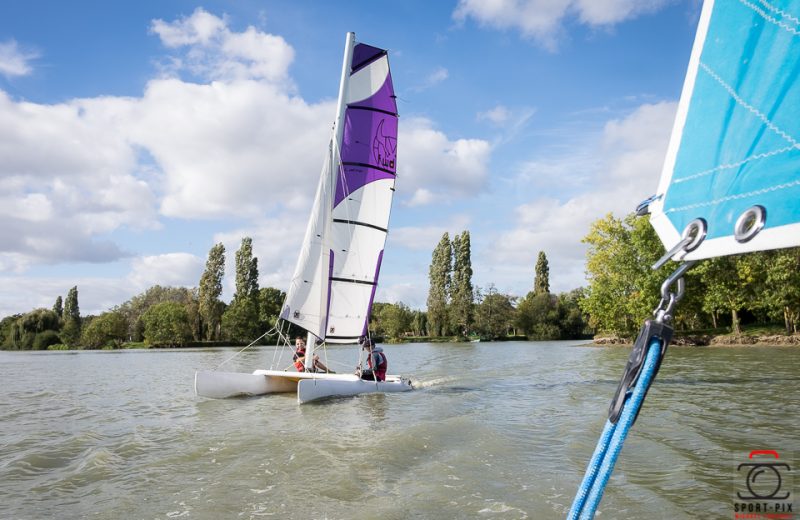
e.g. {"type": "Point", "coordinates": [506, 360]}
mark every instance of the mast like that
{"type": "Point", "coordinates": [335, 159]}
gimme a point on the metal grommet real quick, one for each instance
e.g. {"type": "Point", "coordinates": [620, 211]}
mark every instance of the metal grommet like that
{"type": "Point", "coordinates": [750, 223]}
{"type": "Point", "coordinates": [695, 230]}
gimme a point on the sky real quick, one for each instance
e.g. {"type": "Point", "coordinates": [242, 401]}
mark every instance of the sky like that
{"type": "Point", "coordinates": [136, 135]}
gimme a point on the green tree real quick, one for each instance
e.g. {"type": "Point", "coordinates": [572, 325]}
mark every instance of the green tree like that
{"type": "Point", "coordinates": [494, 316]}
{"type": "Point", "coordinates": [31, 331]}
{"type": "Point", "coordinates": [538, 316]}
{"type": "Point", "coordinates": [134, 309]}
{"type": "Point", "coordinates": [462, 294]}
{"type": "Point", "coordinates": [419, 323]}
{"type": "Point", "coordinates": [396, 319]}
{"type": "Point", "coordinates": [731, 283]}
{"type": "Point", "coordinates": [240, 322]}
{"type": "Point", "coordinates": [623, 289]}
{"type": "Point", "coordinates": [782, 287]}
{"type": "Point", "coordinates": [58, 307]}
{"type": "Point", "coordinates": [110, 329]}
{"type": "Point", "coordinates": [211, 308]}
{"type": "Point", "coordinates": [270, 302]}
{"type": "Point", "coordinates": [541, 283]}
{"type": "Point", "coordinates": [166, 324]}
{"type": "Point", "coordinates": [71, 332]}
{"type": "Point", "coordinates": [439, 277]}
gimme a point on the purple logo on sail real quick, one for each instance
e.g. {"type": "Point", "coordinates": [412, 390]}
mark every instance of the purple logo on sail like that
{"type": "Point", "coordinates": [384, 148]}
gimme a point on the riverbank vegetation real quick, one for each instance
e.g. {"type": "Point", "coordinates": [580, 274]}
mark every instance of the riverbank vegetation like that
{"type": "Point", "coordinates": [744, 299]}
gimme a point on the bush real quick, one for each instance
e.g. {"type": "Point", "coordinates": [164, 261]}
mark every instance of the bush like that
{"type": "Point", "coordinates": [44, 339]}
{"type": "Point", "coordinates": [167, 324]}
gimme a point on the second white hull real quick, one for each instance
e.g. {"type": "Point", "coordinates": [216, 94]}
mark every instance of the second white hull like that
{"type": "Point", "coordinates": [309, 386]}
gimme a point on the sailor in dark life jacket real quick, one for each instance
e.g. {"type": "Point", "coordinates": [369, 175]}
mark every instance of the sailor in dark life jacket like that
{"type": "Point", "coordinates": [299, 358]}
{"type": "Point", "coordinates": [376, 361]}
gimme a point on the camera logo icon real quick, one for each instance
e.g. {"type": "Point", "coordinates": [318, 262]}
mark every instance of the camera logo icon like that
{"type": "Point", "coordinates": [764, 479]}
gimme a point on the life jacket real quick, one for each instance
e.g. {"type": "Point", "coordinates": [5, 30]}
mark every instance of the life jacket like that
{"type": "Point", "coordinates": [299, 361]}
{"type": "Point", "coordinates": [381, 362]}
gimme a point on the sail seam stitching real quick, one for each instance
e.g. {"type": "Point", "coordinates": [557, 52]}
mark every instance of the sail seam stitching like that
{"type": "Point", "coordinates": [736, 164]}
{"type": "Point", "coordinates": [735, 197]}
{"type": "Point", "coordinates": [767, 17]}
{"type": "Point", "coordinates": [772, 126]}
{"type": "Point", "coordinates": [781, 12]}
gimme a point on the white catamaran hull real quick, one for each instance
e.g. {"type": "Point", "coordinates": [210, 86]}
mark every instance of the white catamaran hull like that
{"type": "Point", "coordinates": [322, 388]}
{"type": "Point", "coordinates": [219, 385]}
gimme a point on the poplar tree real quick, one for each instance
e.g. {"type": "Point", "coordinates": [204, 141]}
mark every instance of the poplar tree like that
{"type": "Point", "coordinates": [210, 290]}
{"type": "Point", "coordinates": [58, 307]}
{"type": "Point", "coordinates": [439, 277]}
{"type": "Point", "coordinates": [541, 284]}
{"type": "Point", "coordinates": [240, 321]}
{"type": "Point", "coordinates": [462, 294]}
{"type": "Point", "coordinates": [71, 332]}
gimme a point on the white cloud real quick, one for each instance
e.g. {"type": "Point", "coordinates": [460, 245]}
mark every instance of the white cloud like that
{"type": "Point", "coordinates": [215, 52]}
{"type": "Point", "coordinates": [15, 61]}
{"type": "Point", "coordinates": [241, 148]}
{"type": "Point", "coordinates": [432, 168]}
{"type": "Point", "coordinates": [171, 269]}
{"type": "Point", "coordinates": [67, 174]}
{"type": "Point", "coordinates": [199, 28]}
{"type": "Point", "coordinates": [627, 165]}
{"type": "Point", "coordinates": [433, 79]}
{"type": "Point", "coordinates": [543, 20]}
{"type": "Point", "coordinates": [425, 238]}
{"type": "Point", "coordinates": [497, 115]}
{"type": "Point", "coordinates": [242, 144]}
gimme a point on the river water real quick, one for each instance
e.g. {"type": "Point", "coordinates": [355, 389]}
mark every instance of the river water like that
{"type": "Point", "coordinates": [493, 430]}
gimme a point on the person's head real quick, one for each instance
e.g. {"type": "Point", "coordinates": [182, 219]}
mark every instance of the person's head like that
{"type": "Point", "coordinates": [368, 344]}
{"type": "Point", "coordinates": [300, 343]}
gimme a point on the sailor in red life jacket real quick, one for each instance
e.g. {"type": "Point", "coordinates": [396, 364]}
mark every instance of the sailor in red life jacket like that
{"type": "Point", "coordinates": [299, 358]}
{"type": "Point", "coordinates": [376, 360]}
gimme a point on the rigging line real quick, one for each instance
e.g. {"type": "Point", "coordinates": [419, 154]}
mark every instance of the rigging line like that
{"type": "Point", "coordinates": [611, 441]}
{"type": "Point", "coordinates": [246, 347]}
{"type": "Point", "coordinates": [770, 19]}
{"type": "Point", "coordinates": [735, 197]}
{"type": "Point", "coordinates": [781, 12]}
{"type": "Point", "coordinates": [721, 167]}
{"type": "Point", "coordinates": [772, 126]}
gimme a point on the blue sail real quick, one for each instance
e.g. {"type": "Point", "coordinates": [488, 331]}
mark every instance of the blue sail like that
{"type": "Point", "coordinates": [734, 156]}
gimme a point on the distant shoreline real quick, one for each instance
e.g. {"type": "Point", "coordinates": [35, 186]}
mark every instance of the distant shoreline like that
{"type": "Point", "coordinates": [709, 340]}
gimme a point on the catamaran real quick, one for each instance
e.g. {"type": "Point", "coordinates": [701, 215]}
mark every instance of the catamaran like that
{"type": "Point", "coordinates": [336, 276]}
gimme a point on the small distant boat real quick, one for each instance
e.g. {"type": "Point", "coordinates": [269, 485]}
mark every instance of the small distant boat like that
{"type": "Point", "coordinates": [334, 283]}
{"type": "Point", "coordinates": [475, 340]}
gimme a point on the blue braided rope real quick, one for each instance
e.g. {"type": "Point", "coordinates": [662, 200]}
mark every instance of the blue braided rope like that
{"type": "Point", "coordinates": [609, 446]}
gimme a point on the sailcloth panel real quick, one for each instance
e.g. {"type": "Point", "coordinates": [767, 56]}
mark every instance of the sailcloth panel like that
{"type": "Point", "coordinates": [364, 186]}
{"type": "Point", "coordinates": [306, 300]}
{"type": "Point", "coordinates": [736, 139]}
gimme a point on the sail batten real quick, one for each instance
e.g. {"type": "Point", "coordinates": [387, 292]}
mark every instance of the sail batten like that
{"type": "Point", "coordinates": [350, 220]}
{"type": "Point", "coordinates": [735, 145]}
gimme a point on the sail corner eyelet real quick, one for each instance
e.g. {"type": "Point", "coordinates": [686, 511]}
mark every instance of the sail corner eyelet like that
{"type": "Point", "coordinates": [750, 223]}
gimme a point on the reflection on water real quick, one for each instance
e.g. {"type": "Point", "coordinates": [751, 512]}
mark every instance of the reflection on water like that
{"type": "Point", "coordinates": [491, 431]}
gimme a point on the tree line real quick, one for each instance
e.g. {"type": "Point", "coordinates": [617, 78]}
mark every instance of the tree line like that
{"type": "Point", "coordinates": [456, 308]}
{"type": "Point", "coordinates": [160, 316]}
{"type": "Point", "coordinates": [761, 288]}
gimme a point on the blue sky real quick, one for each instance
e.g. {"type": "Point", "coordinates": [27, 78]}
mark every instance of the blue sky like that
{"type": "Point", "coordinates": [135, 135]}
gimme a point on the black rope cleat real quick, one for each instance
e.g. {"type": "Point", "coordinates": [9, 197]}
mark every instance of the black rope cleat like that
{"type": "Point", "coordinates": [633, 368]}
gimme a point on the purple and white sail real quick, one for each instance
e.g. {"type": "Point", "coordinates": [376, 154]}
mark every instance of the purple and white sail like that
{"type": "Point", "coordinates": [336, 276]}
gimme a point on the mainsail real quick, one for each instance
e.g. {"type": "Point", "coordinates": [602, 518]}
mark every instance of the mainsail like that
{"type": "Point", "coordinates": [334, 282]}
{"type": "Point", "coordinates": [733, 163]}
